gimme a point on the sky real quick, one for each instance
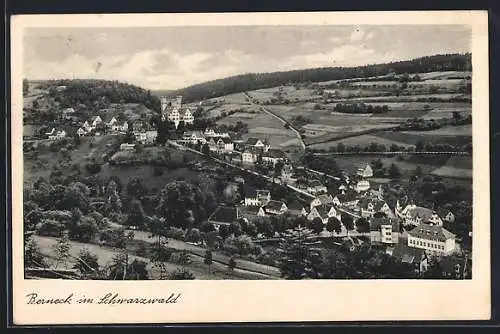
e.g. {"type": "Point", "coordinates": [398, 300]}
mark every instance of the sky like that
{"type": "Point", "coordinates": [164, 58]}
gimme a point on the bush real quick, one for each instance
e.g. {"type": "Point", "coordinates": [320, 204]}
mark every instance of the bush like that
{"type": "Point", "coordinates": [93, 168]}
{"type": "Point", "coordinates": [175, 233]}
{"type": "Point", "coordinates": [50, 228]}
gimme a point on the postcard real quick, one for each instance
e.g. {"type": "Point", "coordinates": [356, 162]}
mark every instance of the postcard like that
{"type": "Point", "coordinates": [250, 167]}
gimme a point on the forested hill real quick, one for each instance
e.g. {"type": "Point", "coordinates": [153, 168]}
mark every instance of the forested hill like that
{"type": "Point", "coordinates": [97, 93]}
{"type": "Point", "coordinates": [252, 81]}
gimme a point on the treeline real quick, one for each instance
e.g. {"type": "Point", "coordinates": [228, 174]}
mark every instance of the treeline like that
{"type": "Point", "coordinates": [360, 108]}
{"type": "Point", "coordinates": [253, 81]}
{"type": "Point", "coordinates": [96, 94]}
{"type": "Point", "coordinates": [376, 148]}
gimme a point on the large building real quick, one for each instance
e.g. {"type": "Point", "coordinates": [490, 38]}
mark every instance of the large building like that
{"type": "Point", "coordinates": [173, 111]}
{"type": "Point", "coordinates": [432, 238]}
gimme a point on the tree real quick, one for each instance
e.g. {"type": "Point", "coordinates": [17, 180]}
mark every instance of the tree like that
{"type": "Point", "coordinates": [205, 149]}
{"type": "Point", "coordinates": [193, 235]}
{"type": "Point", "coordinates": [87, 263]}
{"type": "Point", "coordinates": [136, 188]}
{"type": "Point", "coordinates": [232, 263]}
{"type": "Point", "coordinates": [181, 274]}
{"type": "Point", "coordinates": [224, 231]}
{"type": "Point", "coordinates": [317, 225]}
{"type": "Point", "coordinates": [419, 146]}
{"type": "Point", "coordinates": [32, 254]}
{"type": "Point", "coordinates": [136, 216]}
{"type": "Point", "coordinates": [235, 228]}
{"type": "Point", "coordinates": [348, 222]}
{"type": "Point", "coordinates": [62, 250]}
{"type": "Point", "coordinates": [298, 258]}
{"type": "Point", "coordinates": [334, 225]}
{"type": "Point", "coordinates": [363, 225]}
{"type": "Point", "coordinates": [394, 172]}
{"type": "Point", "coordinates": [208, 259]}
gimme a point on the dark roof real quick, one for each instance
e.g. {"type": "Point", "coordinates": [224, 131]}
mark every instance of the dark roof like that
{"type": "Point", "coordinates": [275, 153]}
{"type": "Point", "coordinates": [226, 140]}
{"type": "Point", "coordinates": [273, 205]}
{"type": "Point", "coordinates": [253, 150]}
{"type": "Point", "coordinates": [431, 232]}
{"type": "Point", "coordinates": [295, 205]}
{"type": "Point", "coordinates": [377, 222]}
{"type": "Point", "coordinates": [408, 254]}
{"type": "Point", "coordinates": [379, 204]}
{"type": "Point", "coordinates": [323, 209]}
{"type": "Point", "coordinates": [348, 196]}
{"type": "Point", "coordinates": [325, 199]}
{"type": "Point", "coordinates": [224, 214]}
{"type": "Point", "coordinates": [252, 141]}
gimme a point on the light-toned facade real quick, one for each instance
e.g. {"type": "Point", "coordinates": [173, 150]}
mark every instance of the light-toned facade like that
{"type": "Point", "coordinates": [432, 238]}
{"type": "Point", "coordinates": [365, 171]}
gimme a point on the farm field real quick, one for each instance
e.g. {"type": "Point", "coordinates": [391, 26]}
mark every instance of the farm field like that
{"type": "Point", "coordinates": [217, 111]}
{"type": "Point", "coordinates": [288, 92]}
{"type": "Point", "coordinates": [459, 130]}
{"type": "Point", "coordinates": [362, 141]}
{"type": "Point", "coordinates": [456, 167]}
{"type": "Point", "coordinates": [413, 138]}
{"type": "Point", "coordinates": [394, 98]}
{"type": "Point", "coordinates": [264, 126]}
{"type": "Point", "coordinates": [407, 164]}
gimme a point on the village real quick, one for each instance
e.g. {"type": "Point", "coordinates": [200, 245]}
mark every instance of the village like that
{"type": "Point", "coordinates": [350, 206]}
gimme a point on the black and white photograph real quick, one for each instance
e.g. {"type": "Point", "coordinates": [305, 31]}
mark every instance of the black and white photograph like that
{"type": "Point", "coordinates": [229, 166]}
{"type": "Point", "coordinates": [248, 152]}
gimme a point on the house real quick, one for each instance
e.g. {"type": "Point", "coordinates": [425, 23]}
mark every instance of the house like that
{"type": "Point", "coordinates": [415, 257]}
{"type": "Point", "coordinates": [193, 137]}
{"type": "Point", "coordinates": [187, 116]}
{"type": "Point", "coordinates": [336, 200]}
{"type": "Point", "coordinates": [251, 155]}
{"type": "Point", "coordinates": [447, 215]}
{"type": "Point", "coordinates": [212, 144]}
{"type": "Point", "coordinates": [362, 186]}
{"type": "Point", "coordinates": [384, 230]}
{"type": "Point", "coordinates": [224, 215]}
{"type": "Point", "coordinates": [127, 147]}
{"type": "Point", "coordinates": [116, 127]}
{"type": "Point", "coordinates": [365, 171]}
{"type": "Point", "coordinates": [67, 112]}
{"type": "Point", "coordinates": [315, 187]}
{"type": "Point", "coordinates": [112, 122]}
{"type": "Point", "coordinates": [138, 127]}
{"type": "Point", "coordinates": [81, 132]}
{"type": "Point", "coordinates": [287, 172]}
{"type": "Point", "coordinates": [257, 143]}
{"type": "Point", "coordinates": [210, 132]}
{"type": "Point", "coordinates": [254, 197]}
{"type": "Point", "coordinates": [61, 134]}
{"type": "Point", "coordinates": [86, 126]}
{"type": "Point", "coordinates": [432, 238]}
{"type": "Point", "coordinates": [322, 199]}
{"type": "Point", "coordinates": [96, 121]}
{"type": "Point", "coordinates": [297, 208]}
{"type": "Point", "coordinates": [273, 208]}
{"type": "Point", "coordinates": [369, 207]}
{"type": "Point", "coordinates": [415, 215]}
{"type": "Point", "coordinates": [225, 145]}
{"type": "Point", "coordinates": [273, 156]}
{"type": "Point", "coordinates": [349, 198]}
{"type": "Point", "coordinates": [235, 157]}
{"type": "Point", "coordinates": [324, 212]}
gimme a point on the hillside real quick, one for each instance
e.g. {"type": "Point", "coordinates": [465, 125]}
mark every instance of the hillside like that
{"type": "Point", "coordinates": [44, 100]}
{"type": "Point", "coordinates": [254, 81]}
{"type": "Point", "coordinates": [93, 94]}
